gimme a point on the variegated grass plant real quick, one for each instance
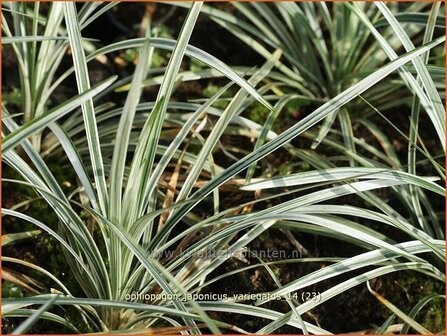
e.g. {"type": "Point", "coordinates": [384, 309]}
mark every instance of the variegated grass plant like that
{"type": "Point", "coordinates": [328, 47]}
{"type": "Point", "coordinates": [145, 194]}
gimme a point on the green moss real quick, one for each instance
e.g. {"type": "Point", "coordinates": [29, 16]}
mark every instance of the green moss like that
{"type": "Point", "coordinates": [195, 65]}
{"type": "Point", "coordinates": [13, 98]}
{"type": "Point", "coordinates": [249, 324]}
{"type": "Point", "coordinates": [303, 167]}
{"type": "Point", "coordinates": [287, 117]}
{"type": "Point", "coordinates": [409, 289]}
{"type": "Point", "coordinates": [277, 272]}
{"type": "Point", "coordinates": [264, 236]}
{"type": "Point", "coordinates": [434, 317]}
{"type": "Point", "coordinates": [158, 59]}
{"type": "Point", "coordinates": [286, 169]}
{"type": "Point", "coordinates": [52, 258]}
{"type": "Point", "coordinates": [212, 89]}
{"type": "Point", "coordinates": [10, 290]}
{"type": "Point", "coordinates": [130, 55]}
{"type": "Point", "coordinates": [258, 113]}
{"type": "Point", "coordinates": [46, 251]}
{"type": "Point", "coordinates": [162, 31]}
{"type": "Point", "coordinates": [17, 193]}
{"type": "Point", "coordinates": [295, 105]}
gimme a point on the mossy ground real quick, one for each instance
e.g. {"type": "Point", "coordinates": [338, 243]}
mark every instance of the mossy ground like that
{"type": "Point", "coordinates": [355, 310]}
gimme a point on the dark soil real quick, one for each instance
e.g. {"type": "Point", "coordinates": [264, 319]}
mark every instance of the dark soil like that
{"type": "Point", "coordinates": [353, 310]}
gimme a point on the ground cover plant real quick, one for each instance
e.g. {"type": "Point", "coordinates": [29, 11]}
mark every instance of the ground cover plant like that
{"type": "Point", "coordinates": [150, 182]}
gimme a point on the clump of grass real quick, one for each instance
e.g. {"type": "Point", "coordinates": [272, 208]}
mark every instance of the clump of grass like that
{"type": "Point", "coordinates": [146, 216]}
